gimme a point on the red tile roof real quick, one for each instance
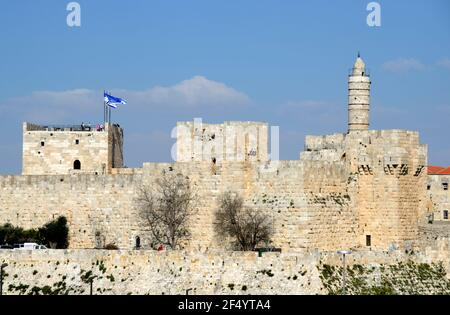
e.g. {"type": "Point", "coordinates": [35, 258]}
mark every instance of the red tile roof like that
{"type": "Point", "coordinates": [438, 170]}
{"type": "Point", "coordinates": [445, 171]}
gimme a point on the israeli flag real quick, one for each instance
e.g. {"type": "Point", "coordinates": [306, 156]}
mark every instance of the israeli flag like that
{"type": "Point", "coordinates": [113, 101]}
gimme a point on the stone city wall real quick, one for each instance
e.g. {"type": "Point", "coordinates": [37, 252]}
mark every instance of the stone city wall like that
{"type": "Point", "coordinates": [192, 272]}
{"type": "Point", "coordinates": [356, 190]}
{"type": "Point", "coordinates": [306, 201]}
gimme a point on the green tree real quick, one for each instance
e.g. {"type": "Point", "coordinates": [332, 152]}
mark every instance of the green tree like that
{"type": "Point", "coordinates": [10, 234]}
{"type": "Point", "coordinates": [55, 234]}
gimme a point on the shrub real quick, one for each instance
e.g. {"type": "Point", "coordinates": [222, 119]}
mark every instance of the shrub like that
{"type": "Point", "coordinates": [248, 227]}
{"type": "Point", "coordinates": [54, 234]}
{"type": "Point", "coordinates": [111, 246]}
{"type": "Point", "coordinates": [12, 235]}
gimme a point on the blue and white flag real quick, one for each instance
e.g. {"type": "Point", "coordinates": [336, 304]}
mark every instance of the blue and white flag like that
{"type": "Point", "coordinates": [113, 101]}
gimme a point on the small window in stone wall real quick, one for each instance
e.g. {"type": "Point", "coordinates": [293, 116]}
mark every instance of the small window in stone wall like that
{"type": "Point", "coordinates": [445, 186]}
{"type": "Point", "coordinates": [368, 240]}
{"type": "Point", "coordinates": [138, 242]}
{"type": "Point", "coordinates": [77, 141]}
{"type": "Point", "coordinates": [445, 214]}
{"type": "Point", "coordinates": [77, 165]}
{"type": "Point", "coordinates": [428, 187]}
{"type": "Point", "coordinates": [42, 143]}
{"type": "Point", "coordinates": [431, 218]}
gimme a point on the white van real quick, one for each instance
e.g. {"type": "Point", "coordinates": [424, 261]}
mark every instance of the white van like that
{"type": "Point", "coordinates": [31, 246]}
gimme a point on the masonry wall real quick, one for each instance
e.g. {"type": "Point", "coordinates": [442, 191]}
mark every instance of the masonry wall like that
{"type": "Point", "coordinates": [152, 272]}
{"type": "Point", "coordinates": [439, 198]}
{"type": "Point", "coordinates": [307, 202]}
{"type": "Point", "coordinates": [431, 234]}
{"type": "Point", "coordinates": [392, 175]}
{"type": "Point", "coordinates": [344, 188]}
{"type": "Point", "coordinates": [55, 151]}
{"type": "Point", "coordinates": [115, 147]}
{"type": "Point", "coordinates": [193, 272]}
{"type": "Point", "coordinates": [230, 141]}
{"type": "Point", "coordinates": [386, 181]}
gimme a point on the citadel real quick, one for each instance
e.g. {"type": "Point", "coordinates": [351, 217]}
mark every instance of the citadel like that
{"type": "Point", "coordinates": [363, 190]}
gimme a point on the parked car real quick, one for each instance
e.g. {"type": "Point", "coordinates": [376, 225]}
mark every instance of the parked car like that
{"type": "Point", "coordinates": [31, 246]}
{"type": "Point", "coordinates": [6, 246]}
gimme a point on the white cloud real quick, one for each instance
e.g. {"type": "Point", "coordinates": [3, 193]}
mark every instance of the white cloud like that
{"type": "Point", "coordinates": [62, 105]}
{"type": "Point", "coordinates": [403, 65]}
{"type": "Point", "coordinates": [444, 63]}
{"type": "Point", "coordinates": [195, 92]}
{"type": "Point", "coordinates": [51, 105]}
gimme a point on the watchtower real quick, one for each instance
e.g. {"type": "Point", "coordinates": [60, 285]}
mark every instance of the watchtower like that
{"type": "Point", "coordinates": [68, 149]}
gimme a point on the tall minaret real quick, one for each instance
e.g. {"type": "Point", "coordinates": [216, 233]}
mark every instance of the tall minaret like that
{"type": "Point", "coordinates": [358, 97]}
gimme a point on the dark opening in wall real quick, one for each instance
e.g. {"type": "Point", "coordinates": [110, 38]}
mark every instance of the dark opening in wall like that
{"type": "Point", "coordinates": [77, 141]}
{"type": "Point", "coordinates": [138, 242]}
{"type": "Point", "coordinates": [445, 214]}
{"type": "Point", "coordinates": [445, 186]}
{"type": "Point", "coordinates": [368, 240]}
{"type": "Point", "coordinates": [77, 165]}
{"type": "Point", "coordinates": [213, 160]}
{"type": "Point", "coordinates": [431, 218]}
{"type": "Point", "coordinates": [428, 187]}
{"type": "Point", "coordinates": [42, 143]}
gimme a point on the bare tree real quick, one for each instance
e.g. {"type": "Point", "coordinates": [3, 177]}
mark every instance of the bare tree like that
{"type": "Point", "coordinates": [248, 227]}
{"type": "Point", "coordinates": [166, 207]}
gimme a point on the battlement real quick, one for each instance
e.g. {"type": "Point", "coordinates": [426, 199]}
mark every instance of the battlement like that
{"type": "Point", "coordinates": [82, 127]}
{"type": "Point", "coordinates": [367, 147]}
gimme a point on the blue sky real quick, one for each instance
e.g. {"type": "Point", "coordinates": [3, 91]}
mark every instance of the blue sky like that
{"type": "Point", "coordinates": [283, 62]}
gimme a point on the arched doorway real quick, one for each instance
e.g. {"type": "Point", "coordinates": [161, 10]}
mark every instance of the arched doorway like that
{"type": "Point", "coordinates": [77, 165]}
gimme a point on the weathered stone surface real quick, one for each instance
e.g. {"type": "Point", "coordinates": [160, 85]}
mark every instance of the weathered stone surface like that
{"type": "Point", "coordinates": [438, 188]}
{"type": "Point", "coordinates": [365, 189]}
{"type": "Point", "coordinates": [55, 150]}
{"type": "Point", "coordinates": [175, 272]}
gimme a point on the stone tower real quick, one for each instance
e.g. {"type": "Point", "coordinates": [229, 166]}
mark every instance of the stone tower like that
{"type": "Point", "coordinates": [358, 97]}
{"type": "Point", "coordinates": [71, 149]}
{"type": "Point", "coordinates": [230, 141]}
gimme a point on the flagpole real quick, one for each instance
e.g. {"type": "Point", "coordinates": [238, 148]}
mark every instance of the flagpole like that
{"type": "Point", "coordinates": [109, 112]}
{"type": "Point", "coordinates": [104, 108]}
